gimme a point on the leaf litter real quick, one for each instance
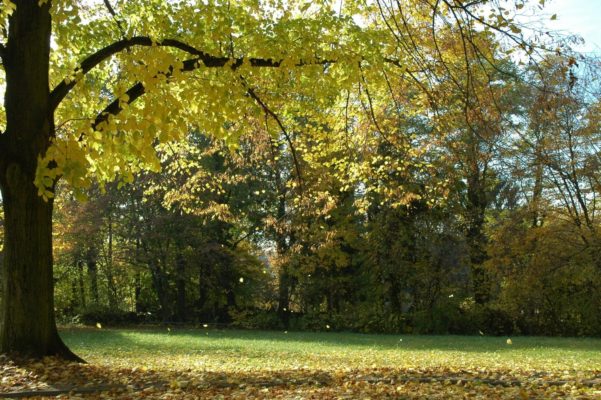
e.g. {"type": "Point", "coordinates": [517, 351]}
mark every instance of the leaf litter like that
{"type": "Point", "coordinates": [141, 374]}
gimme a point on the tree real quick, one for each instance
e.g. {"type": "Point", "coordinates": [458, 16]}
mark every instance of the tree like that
{"type": "Point", "coordinates": [27, 309]}
{"type": "Point", "coordinates": [91, 89]}
{"type": "Point", "coordinates": [27, 313]}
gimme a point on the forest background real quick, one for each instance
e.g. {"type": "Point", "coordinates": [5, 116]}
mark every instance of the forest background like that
{"type": "Point", "coordinates": [458, 197]}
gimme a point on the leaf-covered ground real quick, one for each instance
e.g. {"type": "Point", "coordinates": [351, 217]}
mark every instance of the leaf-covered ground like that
{"type": "Point", "coordinates": [203, 363]}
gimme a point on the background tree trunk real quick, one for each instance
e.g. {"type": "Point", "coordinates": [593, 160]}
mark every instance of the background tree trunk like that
{"type": "Point", "coordinates": [180, 281]}
{"type": "Point", "coordinates": [477, 203]}
{"type": "Point", "coordinates": [92, 266]}
{"type": "Point", "coordinates": [81, 284]}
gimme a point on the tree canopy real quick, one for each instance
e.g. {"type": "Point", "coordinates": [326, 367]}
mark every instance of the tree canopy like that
{"type": "Point", "coordinates": [351, 112]}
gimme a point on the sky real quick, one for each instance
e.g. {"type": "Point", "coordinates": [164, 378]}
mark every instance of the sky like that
{"type": "Point", "coordinates": [581, 17]}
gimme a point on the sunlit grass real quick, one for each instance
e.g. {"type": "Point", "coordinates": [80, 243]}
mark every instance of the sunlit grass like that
{"type": "Point", "coordinates": [229, 350]}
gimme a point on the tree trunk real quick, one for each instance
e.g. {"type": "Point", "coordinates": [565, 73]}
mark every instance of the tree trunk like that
{"type": "Point", "coordinates": [74, 303]}
{"type": "Point", "coordinates": [284, 284]}
{"type": "Point", "coordinates": [476, 237]}
{"type": "Point", "coordinates": [284, 278]}
{"type": "Point", "coordinates": [92, 265]}
{"type": "Point", "coordinates": [81, 284]}
{"type": "Point", "coordinates": [138, 278]}
{"type": "Point", "coordinates": [180, 281]}
{"type": "Point", "coordinates": [109, 270]}
{"type": "Point", "coordinates": [537, 191]}
{"type": "Point", "coordinates": [138, 292]}
{"type": "Point", "coordinates": [161, 287]}
{"type": "Point", "coordinates": [203, 314]}
{"type": "Point", "coordinates": [27, 323]}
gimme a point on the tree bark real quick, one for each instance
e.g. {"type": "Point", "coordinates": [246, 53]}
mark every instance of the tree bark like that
{"type": "Point", "coordinates": [27, 324]}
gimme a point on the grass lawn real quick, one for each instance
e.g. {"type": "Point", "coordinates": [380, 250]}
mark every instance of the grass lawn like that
{"type": "Point", "coordinates": [205, 363]}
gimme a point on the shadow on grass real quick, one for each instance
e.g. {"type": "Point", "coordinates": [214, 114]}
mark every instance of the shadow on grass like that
{"type": "Point", "coordinates": [52, 377]}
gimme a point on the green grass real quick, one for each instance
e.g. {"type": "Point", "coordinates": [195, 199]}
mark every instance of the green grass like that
{"type": "Point", "coordinates": [208, 363]}
{"type": "Point", "coordinates": [230, 350]}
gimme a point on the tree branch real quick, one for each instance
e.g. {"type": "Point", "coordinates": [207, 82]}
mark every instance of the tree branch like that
{"type": "Point", "coordinates": [115, 107]}
{"type": "Point", "coordinates": [111, 11]}
{"type": "Point", "coordinates": [138, 89]}
{"type": "Point", "coordinates": [133, 93]}
{"type": "Point", "coordinates": [277, 119]}
{"type": "Point", "coordinates": [63, 88]}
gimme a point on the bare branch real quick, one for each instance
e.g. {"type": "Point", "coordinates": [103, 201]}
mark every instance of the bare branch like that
{"type": "Point", "coordinates": [277, 119]}
{"type": "Point", "coordinates": [111, 11]}
{"type": "Point", "coordinates": [371, 109]}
